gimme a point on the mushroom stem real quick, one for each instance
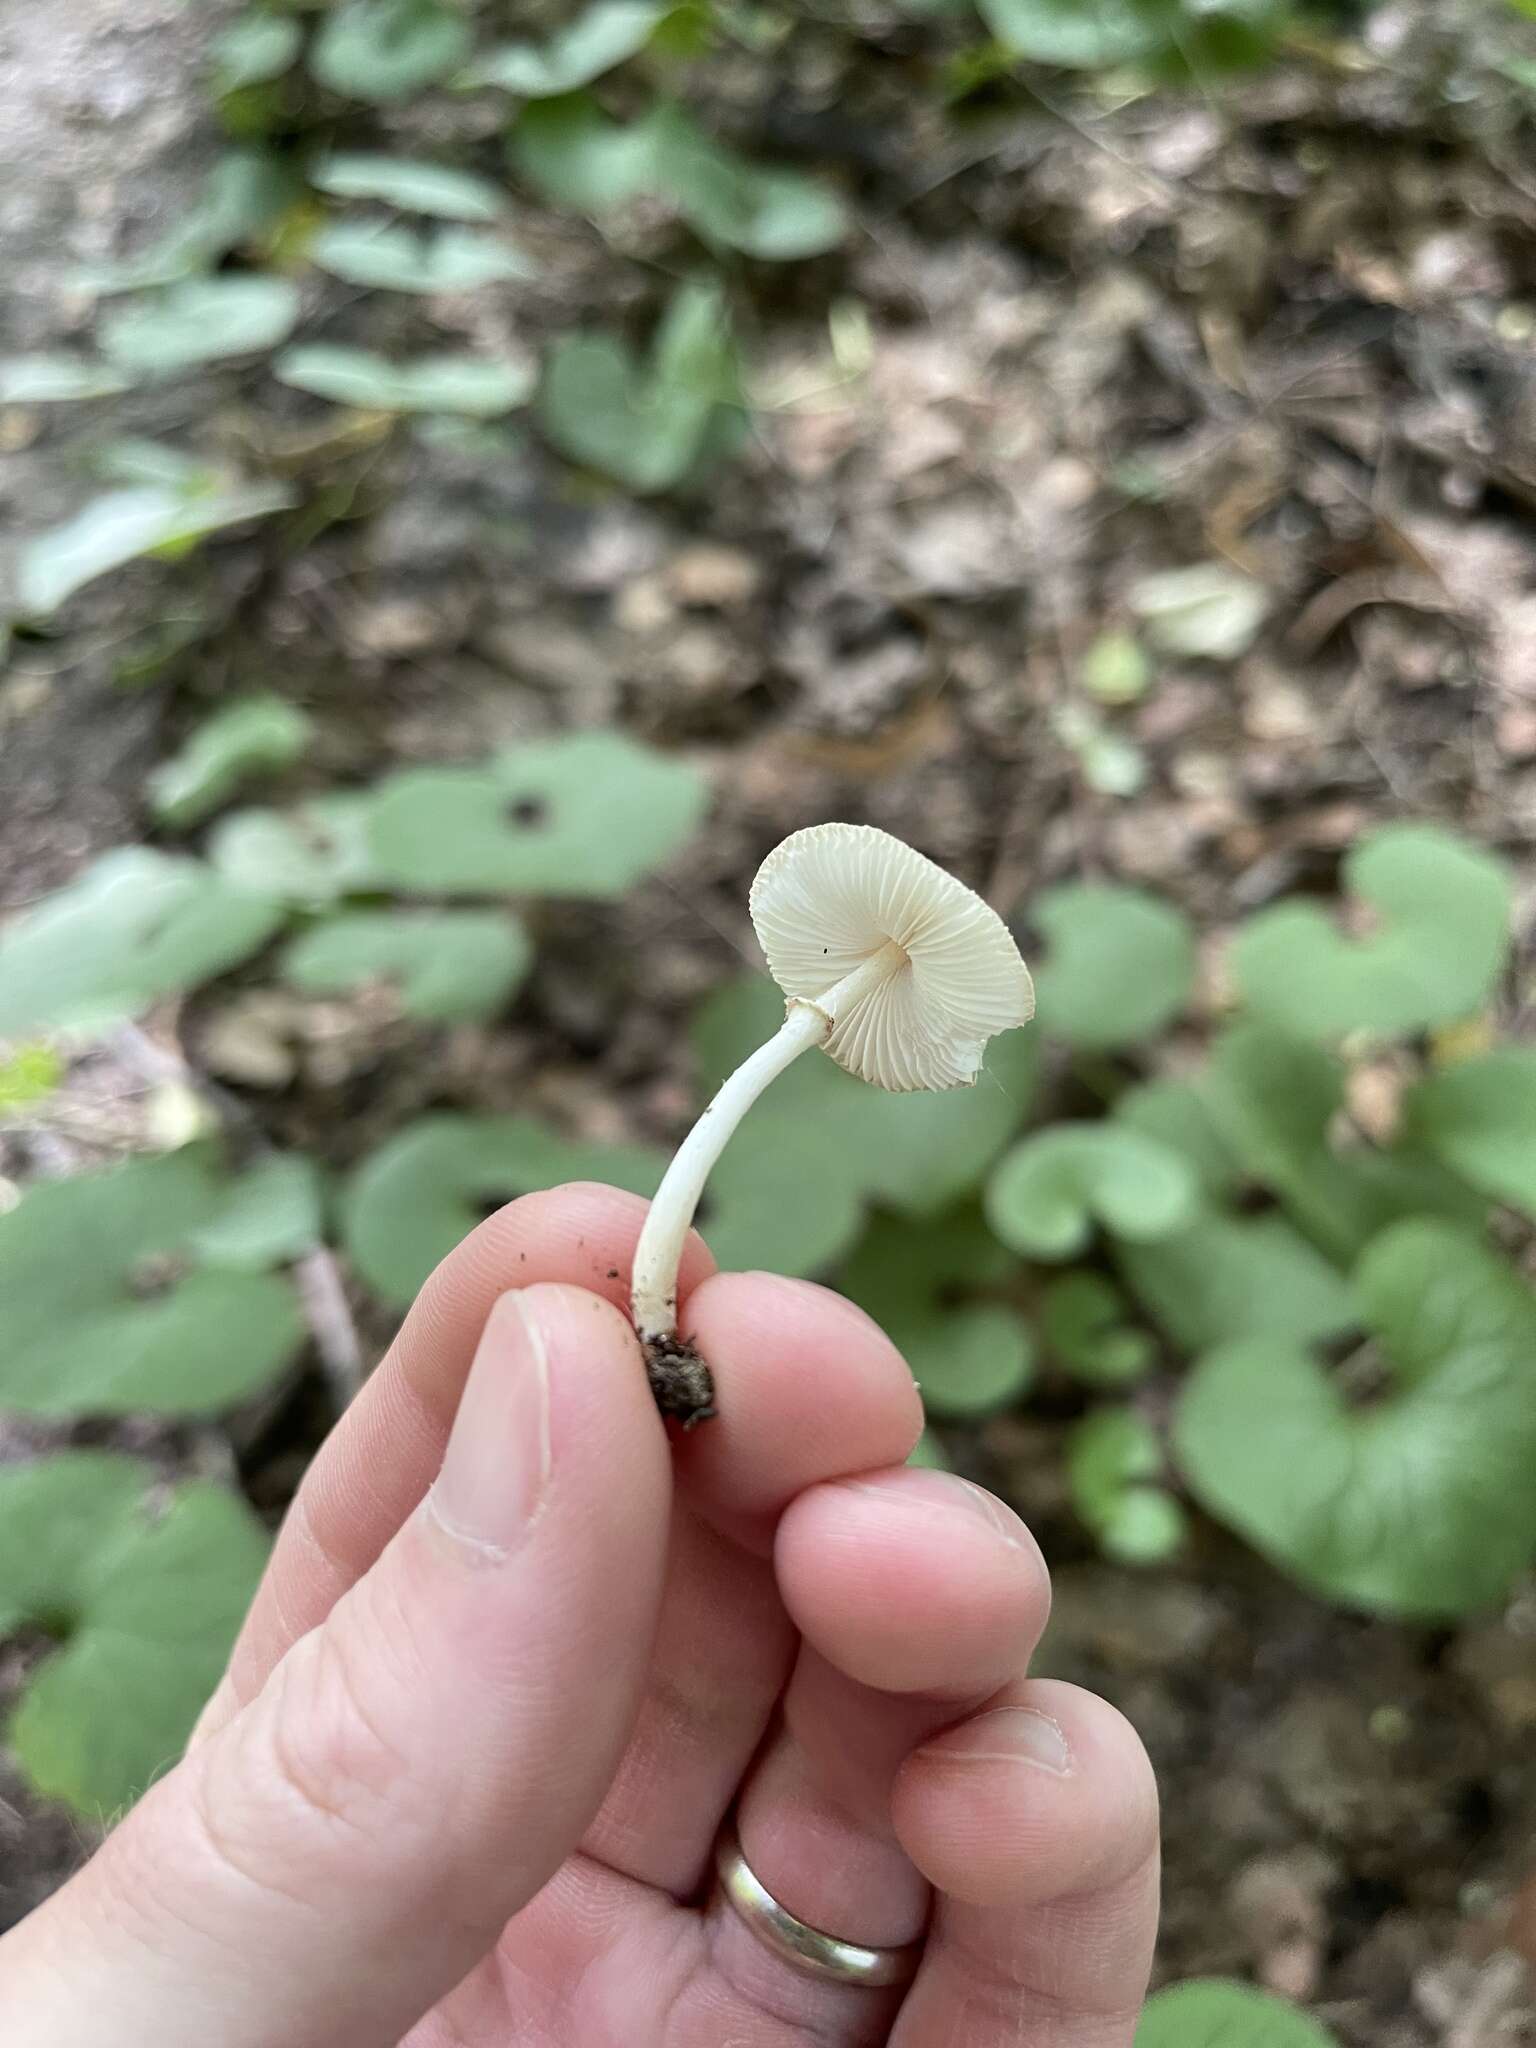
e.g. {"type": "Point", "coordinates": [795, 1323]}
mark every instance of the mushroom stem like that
{"type": "Point", "coordinates": [808, 1022]}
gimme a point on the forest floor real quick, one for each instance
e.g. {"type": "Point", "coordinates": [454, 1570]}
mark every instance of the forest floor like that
{"type": "Point", "coordinates": [1288, 328]}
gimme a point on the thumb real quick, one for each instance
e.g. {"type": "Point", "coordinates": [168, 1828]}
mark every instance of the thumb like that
{"type": "Point", "coordinates": [345, 1849]}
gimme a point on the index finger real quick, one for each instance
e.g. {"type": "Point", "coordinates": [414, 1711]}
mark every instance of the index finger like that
{"type": "Point", "coordinates": [384, 1453]}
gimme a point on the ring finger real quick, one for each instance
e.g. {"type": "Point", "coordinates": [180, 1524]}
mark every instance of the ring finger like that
{"type": "Point", "coordinates": [917, 1596]}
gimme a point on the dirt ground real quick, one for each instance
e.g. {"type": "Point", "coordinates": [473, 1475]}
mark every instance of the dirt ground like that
{"type": "Point", "coordinates": [1289, 326]}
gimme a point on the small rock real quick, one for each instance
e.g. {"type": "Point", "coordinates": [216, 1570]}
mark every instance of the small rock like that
{"type": "Point", "coordinates": [643, 607]}
{"type": "Point", "coordinates": [398, 626]}
{"type": "Point", "coordinates": [250, 1041]}
{"type": "Point", "coordinates": [712, 577]}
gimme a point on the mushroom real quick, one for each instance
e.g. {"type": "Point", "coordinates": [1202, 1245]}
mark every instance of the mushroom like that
{"type": "Point", "coordinates": [896, 970]}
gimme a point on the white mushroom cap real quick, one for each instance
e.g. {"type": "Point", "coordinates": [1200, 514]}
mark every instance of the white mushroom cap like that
{"type": "Point", "coordinates": [833, 897]}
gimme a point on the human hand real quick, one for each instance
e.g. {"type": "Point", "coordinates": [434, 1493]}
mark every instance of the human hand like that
{"type": "Point", "coordinates": [463, 1781]}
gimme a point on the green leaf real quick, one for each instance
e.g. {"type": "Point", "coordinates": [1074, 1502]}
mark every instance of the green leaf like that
{"type": "Point", "coordinates": [826, 1131]}
{"type": "Point", "coordinates": [647, 425]}
{"type": "Point", "coordinates": [1087, 1326]}
{"type": "Point", "coordinates": [437, 383]}
{"type": "Point", "coordinates": [136, 925]}
{"type": "Point", "coordinates": [56, 379]}
{"type": "Point", "coordinates": [253, 49]}
{"type": "Point", "coordinates": [1181, 1114]}
{"type": "Point", "coordinates": [929, 1454]}
{"type": "Point", "coordinates": [389, 257]}
{"type": "Point", "coordinates": [271, 1213]}
{"type": "Point", "coordinates": [1114, 1463]}
{"type": "Point", "coordinates": [410, 1202]}
{"type": "Point", "coordinates": [1115, 669]}
{"type": "Point", "coordinates": [411, 185]}
{"type": "Point", "coordinates": [1442, 908]}
{"type": "Point", "coordinates": [1227, 1276]}
{"type": "Point", "coordinates": [1209, 612]}
{"type": "Point", "coordinates": [1070, 33]}
{"type": "Point", "coordinates": [1478, 1118]}
{"type": "Point", "coordinates": [245, 739]}
{"type": "Point", "coordinates": [775, 215]}
{"type": "Point", "coordinates": [1418, 1503]}
{"type": "Point", "coordinates": [1211, 2012]}
{"type": "Point", "coordinates": [584, 814]}
{"type": "Point", "coordinates": [1044, 1197]}
{"type": "Point", "coordinates": [200, 321]}
{"type": "Point", "coordinates": [580, 159]}
{"type": "Point", "coordinates": [602, 36]}
{"type": "Point", "coordinates": [447, 964]}
{"type": "Point", "coordinates": [123, 525]}
{"type": "Point", "coordinates": [245, 195]}
{"type": "Point", "coordinates": [27, 1076]}
{"type": "Point", "coordinates": [111, 1306]}
{"type": "Point", "coordinates": [776, 1203]}
{"type": "Point", "coordinates": [1120, 966]}
{"type": "Point", "coordinates": [149, 1605]}
{"type": "Point", "coordinates": [969, 1357]}
{"type": "Point", "coordinates": [1276, 1100]}
{"type": "Point", "coordinates": [383, 50]}
{"type": "Point", "coordinates": [311, 854]}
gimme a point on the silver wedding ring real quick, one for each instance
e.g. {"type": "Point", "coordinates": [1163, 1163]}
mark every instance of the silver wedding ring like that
{"type": "Point", "coordinates": [803, 1947]}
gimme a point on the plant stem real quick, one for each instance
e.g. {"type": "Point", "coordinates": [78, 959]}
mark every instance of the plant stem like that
{"type": "Point", "coordinates": [660, 1250]}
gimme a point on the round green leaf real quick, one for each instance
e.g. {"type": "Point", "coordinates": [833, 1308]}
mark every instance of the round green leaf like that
{"type": "Point", "coordinates": [148, 1603]}
{"type": "Point", "coordinates": [1275, 1099]}
{"type": "Point", "coordinates": [247, 738]}
{"type": "Point", "coordinates": [1071, 34]}
{"type": "Point", "coordinates": [1443, 911]}
{"type": "Point", "coordinates": [124, 525]}
{"type": "Point", "coordinates": [1420, 1503]}
{"type": "Point", "coordinates": [1114, 1462]}
{"type": "Point", "coordinates": [1238, 1276]}
{"type": "Point", "coordinates": [777, 1204]}
{"type": "Point", "coordinates": [411, 185]}
{"type": "Point", "coordinates": [252, 50]}
{"type": "Point", "coordinates": [929, 1454]}
{"type": "Point", "coordinates": [1211, 2012]}
{"type": "Point", "coordinates": [384, 50]}
{"type": "Point", "coordinates": [969, 1357]}
{"type": "Point", "coordinates": [112, 1306]}
{"type": "Point", "coordinates": [1119, 968]}
{"type": "Point", "coordinates": [311, 854]}
{"type": "Point", "coordinates": [135, 926]}
{"type": "Point", "coordinates": [646, 425]}
{"type": "Point", "coordinates": [1086, 1324]}
{"type": "Point", "coordinates": [602, 36]}
{"type": "Point", "coordinates": [53, 379]}
{"type": "Point", "coordinates": [1044, 1197]}
{"type": "Point", "coordinates": [585, 814]}
{"type": "Point", "coordinates": [1180, 1115]}
{"type": "Point", "coordinates": [580, 159]}
{"type": "Point", "coordinates": [437, 383]}
{"type": "Point", "coordinates": [270, 1214]}
{"type": "Point", "coordinates": [1478, 1117]}
{"type": "Point", "coordinates": [390, 257]}
{"type": "Point", "coordinates": [200, 321]}
{"type": "Point", "coordinates": [448, 964]}
{"type": "Point", "coordinates": [411, 1201]}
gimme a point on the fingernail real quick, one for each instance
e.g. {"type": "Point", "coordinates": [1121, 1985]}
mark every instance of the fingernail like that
{"type": "Point", "coordinates": [1010, 1735]}
{"type": "Point", "coordinates": [497, 1463]}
